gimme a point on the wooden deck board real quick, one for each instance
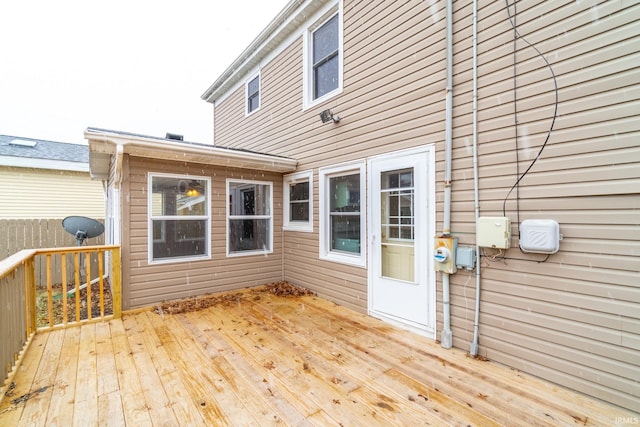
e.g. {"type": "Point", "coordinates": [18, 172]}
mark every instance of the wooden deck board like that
{"type": "Point", "coordinates": [61, 406]}
{"type": "Point", "coordinates": [267, 360]}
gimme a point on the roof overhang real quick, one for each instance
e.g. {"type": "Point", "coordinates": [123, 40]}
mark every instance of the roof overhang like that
{"type": "Point", "coordinates": [294, 14]}
{"type": "Point", "coordinates": [104, 144]}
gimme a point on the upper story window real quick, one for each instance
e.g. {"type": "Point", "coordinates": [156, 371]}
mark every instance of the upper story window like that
{"type": "Point", "coordinates": [179, 217]}
{"type": "Point", "coordinates": [326, 58]}
{"type": "Point", "coordinates": [298, 201]}
{"type": "Point", "coordinates": [253, 94]}
{"type": "Point", "coordinates": [323, 53]}
{"type": "Point", "coordinates": [249, 217]}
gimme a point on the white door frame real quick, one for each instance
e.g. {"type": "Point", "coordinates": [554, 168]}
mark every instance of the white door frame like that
{"type": "Point", "coordinates": [423, 253]}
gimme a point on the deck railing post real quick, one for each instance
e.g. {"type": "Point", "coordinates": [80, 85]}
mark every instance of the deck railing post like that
{"type": "Point", "coordinates": [30, 278]}
{"type": "Point", "coordinates": [116, 283]}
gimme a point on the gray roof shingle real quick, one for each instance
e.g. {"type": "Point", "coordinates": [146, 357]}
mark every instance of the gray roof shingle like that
{"type": "Point", "coordinates": [47, 150]}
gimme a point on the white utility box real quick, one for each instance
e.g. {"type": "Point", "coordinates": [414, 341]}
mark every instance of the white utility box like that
{"type": "Point", "coordinates": [540, 236]}
{"type": "Point", "coordinates": [494, 232]}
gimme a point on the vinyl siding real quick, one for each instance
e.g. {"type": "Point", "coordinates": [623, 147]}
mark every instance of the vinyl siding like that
{"type": "Point", "coordinates": [151, 284]}
{"type": "Point", "coordinates": [28, 193]}
{"type": "Point", "coordinates": [390, 99]}
{"type": "Point", "coordinates": [573, 318]}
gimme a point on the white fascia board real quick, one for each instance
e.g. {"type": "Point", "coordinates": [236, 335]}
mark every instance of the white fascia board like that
{"type": "Point", "coordinates": [29, 162]}
{"type": "Point", "coordinates": [106, 143]}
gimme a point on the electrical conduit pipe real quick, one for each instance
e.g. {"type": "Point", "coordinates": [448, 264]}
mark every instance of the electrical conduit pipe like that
{"type": "Point", "coordinates": [446, 339]}
{"type": "Point", "coordinates": [474, 344]}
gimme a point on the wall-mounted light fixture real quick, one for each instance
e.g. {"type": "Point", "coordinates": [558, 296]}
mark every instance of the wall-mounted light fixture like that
{"type": "Point", "coordinates": [328, 116]}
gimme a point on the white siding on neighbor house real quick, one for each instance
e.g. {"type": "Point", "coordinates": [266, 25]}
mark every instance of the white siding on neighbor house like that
{"type": "Point", "coordinates": [28, 193]}
{"type": "Point", "coordinates": [145, 284]}
{"type": "Point", "coordinates": [573, 318]}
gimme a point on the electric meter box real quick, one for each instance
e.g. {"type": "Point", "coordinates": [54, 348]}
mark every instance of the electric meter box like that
{"type": "Point", "coordinates": [444, 254]}
{"type": "Point", "coordinates": [540, 236]}
{"type": "Point", "coordinates": [494, 232]}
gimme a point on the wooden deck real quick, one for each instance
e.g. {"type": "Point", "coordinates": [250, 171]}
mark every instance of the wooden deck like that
{"type": "Point", "coordinates": [258, 359]}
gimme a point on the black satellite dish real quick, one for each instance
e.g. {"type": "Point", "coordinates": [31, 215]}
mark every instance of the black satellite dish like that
{"type": "Point", "coordinates": [82, 227]}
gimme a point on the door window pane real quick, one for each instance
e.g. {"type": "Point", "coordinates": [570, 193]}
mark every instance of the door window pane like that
{"type": "Point", "coordinates": [397, 224]}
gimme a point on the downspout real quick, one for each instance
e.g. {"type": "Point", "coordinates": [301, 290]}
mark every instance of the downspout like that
{"type": "Point", "coordinates": [117, 183]}
{"type": "Point", "coordinates": [446, 337]}
{"type": "Point", "coordinates": [474, 345]}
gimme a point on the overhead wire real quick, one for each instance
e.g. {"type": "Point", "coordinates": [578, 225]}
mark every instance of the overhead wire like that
{"type": "Point", "coordinates": [517, 35]}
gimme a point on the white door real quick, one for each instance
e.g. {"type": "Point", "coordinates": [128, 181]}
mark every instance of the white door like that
{"type": "Point", "coordinates": [401, 232]}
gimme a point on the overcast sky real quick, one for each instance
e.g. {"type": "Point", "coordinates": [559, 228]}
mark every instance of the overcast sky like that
{"type": "Point", "coordinates": [130, 65]}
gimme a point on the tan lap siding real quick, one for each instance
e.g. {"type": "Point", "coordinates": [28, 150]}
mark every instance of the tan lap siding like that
{"type": "Point", "coordinates": [575, 318]}
{"type": "Point", "coordinates": [392, 99]}
{"type": "Point", "coordinates": [149, 284]}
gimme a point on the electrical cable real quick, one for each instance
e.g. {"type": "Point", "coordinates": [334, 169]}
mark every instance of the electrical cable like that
{"type": "Point", "coordinates": [553, 120]}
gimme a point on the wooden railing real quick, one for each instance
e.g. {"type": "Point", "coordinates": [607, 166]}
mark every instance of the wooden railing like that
{"type": "Point", "coordinates": [27, 305]}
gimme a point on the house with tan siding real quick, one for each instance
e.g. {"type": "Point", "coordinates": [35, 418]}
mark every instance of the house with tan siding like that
{"type": "Point", "coordinates": [42, 182]}
{"type": "Point", "coordinates": [469, 171]}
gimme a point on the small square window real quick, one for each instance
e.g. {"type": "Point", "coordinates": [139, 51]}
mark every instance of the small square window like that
{"type": "Point", "coordinates": [298, 201]}
{"type": "Point", "coordinates": [253, 94]}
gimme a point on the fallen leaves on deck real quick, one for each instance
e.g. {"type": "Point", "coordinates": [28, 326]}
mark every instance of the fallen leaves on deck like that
{"type": "Point", "coordinates": [186, 305]}
{"type": "Point", "coordinates": [286, 289]}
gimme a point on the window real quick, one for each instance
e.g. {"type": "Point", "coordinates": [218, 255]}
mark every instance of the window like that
{"type": "Point", "coordinates": [325, 58]}
{"type": "Point", "coordinates": [342, 221]}
{"type": "Point", "coordinates": [323, 72]}
{"type": "Point", "coordinates": [179, 219]}
{"type": "Point", "coordinates": [249, 219]}
{"type": "Point", "coordinates": [298, 201]}
{"type": "Point", "coordinates": [253, 94]}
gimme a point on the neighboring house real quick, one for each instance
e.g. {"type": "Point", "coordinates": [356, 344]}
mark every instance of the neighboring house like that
{"type": "Point", "coordinates": [430, 127]}
{"type": "Point", "coordinates": [42, 182]}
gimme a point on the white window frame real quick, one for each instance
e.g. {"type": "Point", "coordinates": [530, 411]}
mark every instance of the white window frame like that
{"type": "Point", "coordinates": [246, 94]}
{"type": "Point", "coordinates": [324, 174]}
{"type": "Point", "coordinates": [307, 73]}
{"type": "Point", "coordinates": [151, 218]}
{"type": "Point", "coordinates": [287, 181]}
{"type": "Point", "coordinates": [269, 250]}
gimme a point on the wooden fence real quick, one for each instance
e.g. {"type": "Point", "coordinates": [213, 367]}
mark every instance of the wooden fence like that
{"type": "Point", "coordinates": [19, 234]}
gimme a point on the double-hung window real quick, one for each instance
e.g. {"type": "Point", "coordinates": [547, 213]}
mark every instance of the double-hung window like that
{"type": "Point", "coordinates": [179, 217]}
{"type": "Point", "coordinates": [249, 217]}
{"type": "Point", "coordinates": [323, 53]}
{"type": "Point", "coordinates": [342, 207]}
{"type": "Point", "coordinates": [298, 201]}
{"type": "Point", "coordinates": [253, 94]}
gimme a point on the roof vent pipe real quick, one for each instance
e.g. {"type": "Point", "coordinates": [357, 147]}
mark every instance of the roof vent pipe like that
{"type": "Point", "coordinates": [446, 339]}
